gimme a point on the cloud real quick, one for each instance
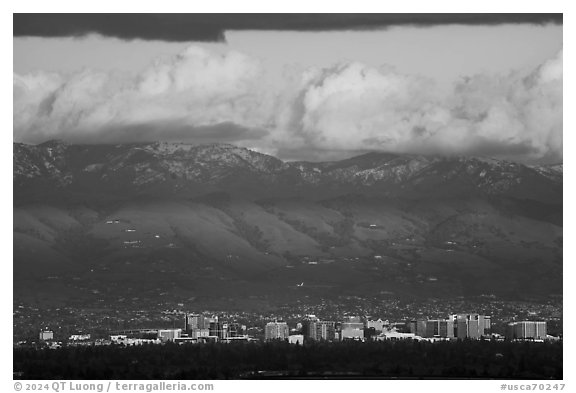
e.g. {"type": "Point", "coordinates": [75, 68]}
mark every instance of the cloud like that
{"type": "Point", "coordinates": [178, 97]}
{"type": "Point", "coordinates": [212, 27]}
{"type": "Point", "coordinates": [359, 108]}
{"type": "Point", "coordinates": [201, 96]}
{"type": "Point", "coordinates": [518, 111]}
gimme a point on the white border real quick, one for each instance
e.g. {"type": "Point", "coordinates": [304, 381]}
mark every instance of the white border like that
{"type": "Point", "coordinates": [299, 6]}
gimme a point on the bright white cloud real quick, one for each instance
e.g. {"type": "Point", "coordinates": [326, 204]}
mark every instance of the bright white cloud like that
{"type": "Point", "coordinates": [345, 107]}
{"type": "Point", "coordinates": [195, 88]}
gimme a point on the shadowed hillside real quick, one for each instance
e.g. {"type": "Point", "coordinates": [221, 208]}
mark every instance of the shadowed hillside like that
{"type": "Point", "coordinates": [221, 221]}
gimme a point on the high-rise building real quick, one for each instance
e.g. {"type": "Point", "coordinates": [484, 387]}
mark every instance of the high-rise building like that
{"type": "Point", "coordinates": [471, 325]}
{"type": "Point", "coordinates": [487, 321]}
{"type": "Point", "coordinates": [276, 331]}
{"type": "Point", "coordinates": [523, 330]}
{"type": "Point", "coordinates": [219, 329]}
{"type": "Point", "coordinates": [309, 327]}
{"type": "Point", "coordinates": [445, 328]}
{"type": "Point", "coordinates": [419, 327]}
{"type": "Point", "coordinates": [195, 321]}
{"type": "Point", "coordinates": [317, 330]}
{"type": "Point", "coordinates": [432, 328]}
{"type": "Point", "coordinates": [325, 330]}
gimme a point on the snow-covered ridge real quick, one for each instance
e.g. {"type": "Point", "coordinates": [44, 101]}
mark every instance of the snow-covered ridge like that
{"type": "Point", "coordinates": [144, 165]}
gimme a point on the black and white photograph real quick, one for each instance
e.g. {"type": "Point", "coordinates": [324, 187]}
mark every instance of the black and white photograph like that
{"type": "Point", "coordinates": [287, 196]}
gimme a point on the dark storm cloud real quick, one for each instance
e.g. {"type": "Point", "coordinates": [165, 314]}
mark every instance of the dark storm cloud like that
{"type": "Point", "coordinates": [171, 131]}
{"type": "Point", "coordinates": [174, 131]}
{"type": "Point", "coordinates": [211, 27]}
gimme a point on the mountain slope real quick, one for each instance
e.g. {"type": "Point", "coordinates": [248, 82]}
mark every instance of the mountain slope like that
{"type": "Point", "coordinates": [183, 222]}
{"type": "Point", "coordinates": [180, 169]}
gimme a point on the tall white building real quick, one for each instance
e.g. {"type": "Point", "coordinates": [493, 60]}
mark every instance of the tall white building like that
{"type": "Point", "coordinates": [276, 331]}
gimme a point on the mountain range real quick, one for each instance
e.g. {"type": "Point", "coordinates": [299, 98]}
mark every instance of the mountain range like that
{"type": "Point", "coordinates": [189, 222]}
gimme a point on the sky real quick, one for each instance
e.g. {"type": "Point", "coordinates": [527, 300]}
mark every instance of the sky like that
{"type": "Point", "coordinates": [310, 87]}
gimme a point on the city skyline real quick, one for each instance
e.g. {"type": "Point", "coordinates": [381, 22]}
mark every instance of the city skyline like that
{"type": "Point", "coordinates": [288, 196]}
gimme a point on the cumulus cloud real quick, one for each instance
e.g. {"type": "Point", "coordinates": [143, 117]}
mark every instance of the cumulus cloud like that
{"type": "Point", "coordinates": [356, 107]}
{"type": "Point", "coordinates": [202, 96]}
{"type": "Point", "coordinates": [194, 90]}
{"type": "Point", "coordinates": [360, 108]}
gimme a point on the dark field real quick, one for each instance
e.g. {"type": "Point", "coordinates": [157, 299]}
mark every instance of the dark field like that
{"type": "Point", "coordinates": [398, 359]}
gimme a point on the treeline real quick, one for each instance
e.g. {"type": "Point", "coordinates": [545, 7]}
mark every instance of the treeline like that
{"type": "Point", "coordinates": [392, 359]}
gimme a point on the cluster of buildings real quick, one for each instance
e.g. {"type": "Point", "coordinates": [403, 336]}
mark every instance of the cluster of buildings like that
{"type": "Point", "coordinates": [199, 328]}
{"type": "Point", "coordinates": [123, 339]}
{"type": "Point", "coordinates": [461, 326]}
{"type": "Point", "coordinates": [456, 326]}
{"type": "Point", "coordinates": [527, 330]}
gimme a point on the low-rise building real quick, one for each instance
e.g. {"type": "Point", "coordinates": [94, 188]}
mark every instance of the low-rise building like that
{"type": "Point", "coordinates": [378, 325]}
{"type": "Point", "coordinates": [169, 334]}
{"type": "Point", "coordinates": [118, 338]}
{"type": "Point", "coordinates": [79, 337]}
{"type": "Point", "coordinates": [296, 339]}
{"type": "Point", "coordinates": [46, 335]}
{"type": "Point", "coordinates": [393, 334]}
{"type": "Point", "coordinates": [199, 333]}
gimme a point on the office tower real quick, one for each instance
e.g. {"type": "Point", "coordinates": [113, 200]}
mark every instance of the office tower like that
{"type": "Point", "coordinates": [471, 325]}
{"type": "Point", "coordinates": [419, 327]}
{"type": "Point", "coordinates": [195, 321]}
{"type": "Point", "coordinates": [318, 330]}
{"type": "Point", "coordinates": [432, 328]}
{"type": "Point", "coordinates": [526, 330]}
{"type": "Point", "coordinates": [219, 329]}
{"type": "Point", "coordinates": [276, 331]}
{"type": "Point", "coordinates": [325, 330]}
{"type": "Point", "coordinates": [446, 328]}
